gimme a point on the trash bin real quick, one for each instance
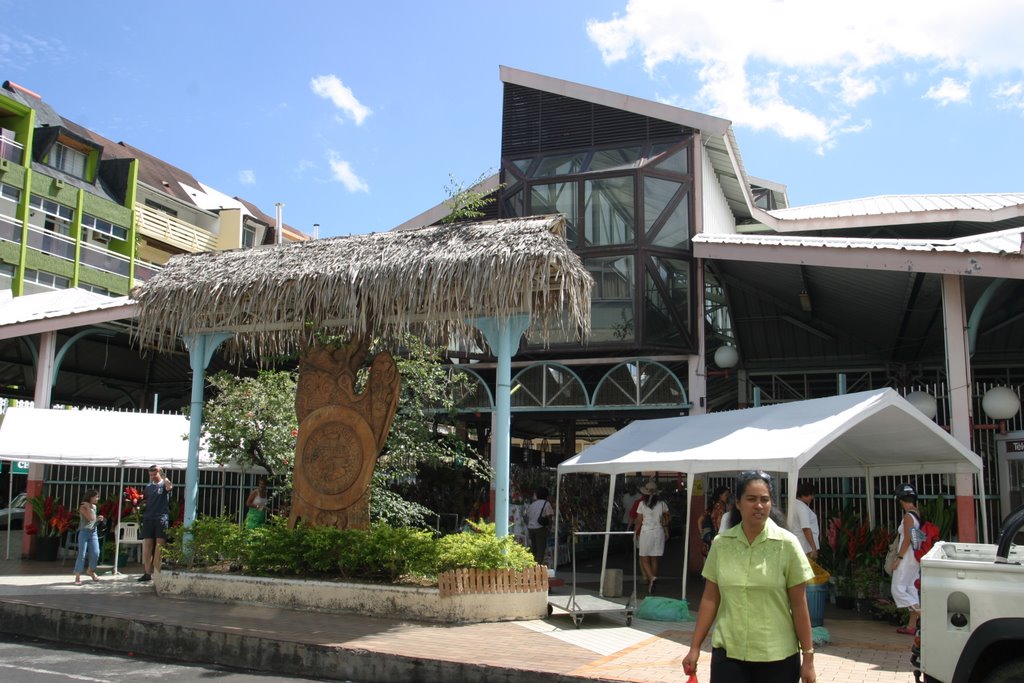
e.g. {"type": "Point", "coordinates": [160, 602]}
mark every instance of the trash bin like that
{"type": "Point", "coordinates": [612, 583]}
{"type": "Point", "coordinates": [817, 596]}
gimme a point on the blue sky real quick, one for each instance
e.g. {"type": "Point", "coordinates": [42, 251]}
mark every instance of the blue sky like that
{"type": "Point", "coordinates": [355, 114]}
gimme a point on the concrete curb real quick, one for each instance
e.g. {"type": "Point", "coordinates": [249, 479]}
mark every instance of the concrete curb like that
{"type": "Point", "coordinates": [146, 637]}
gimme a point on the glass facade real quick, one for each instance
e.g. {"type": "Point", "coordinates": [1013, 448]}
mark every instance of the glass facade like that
{"type": "Point", "coordinates": [628, 215]}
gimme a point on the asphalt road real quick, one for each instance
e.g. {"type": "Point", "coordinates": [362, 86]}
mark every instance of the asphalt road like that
{"type": "Point", "coordinates": [30, 661]}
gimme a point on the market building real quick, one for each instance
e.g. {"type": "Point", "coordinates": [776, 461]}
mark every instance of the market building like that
{"type": "Point", "coordinates": [713, 293]}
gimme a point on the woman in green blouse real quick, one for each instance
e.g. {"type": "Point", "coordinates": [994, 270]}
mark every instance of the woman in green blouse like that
{"type": "Point", "coordinates": [755, 572]}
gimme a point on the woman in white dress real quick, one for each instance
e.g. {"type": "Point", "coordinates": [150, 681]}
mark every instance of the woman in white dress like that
{"type": "Point", "coordinates": [652, 521]}
{"type": "Point", "coordinates": [907, 569]}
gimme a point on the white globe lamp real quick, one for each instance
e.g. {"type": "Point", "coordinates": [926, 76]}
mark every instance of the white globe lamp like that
{"type": "Point", "coordinates": [924, 402]}
{"type": "Point", "coordinates": [1000, 403]}
{"type": "Point", "coordinates": [726, 357]}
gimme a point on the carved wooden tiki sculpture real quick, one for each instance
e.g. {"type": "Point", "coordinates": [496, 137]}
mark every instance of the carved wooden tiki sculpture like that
{"type": "Point", "coordinates": [341, 433]}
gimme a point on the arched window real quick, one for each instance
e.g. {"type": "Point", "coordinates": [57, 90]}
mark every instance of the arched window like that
{"type": "Point", "coordinates": [548, 385]}
{"type": "Point", "coordinates": [640, 383]}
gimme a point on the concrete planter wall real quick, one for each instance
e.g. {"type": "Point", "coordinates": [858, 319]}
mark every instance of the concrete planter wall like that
{"type": "Point", "coordinates": [403, 602]}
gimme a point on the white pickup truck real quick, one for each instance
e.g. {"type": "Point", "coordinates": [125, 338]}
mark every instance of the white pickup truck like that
{"type": "Point", "coordinates": [972, 610]}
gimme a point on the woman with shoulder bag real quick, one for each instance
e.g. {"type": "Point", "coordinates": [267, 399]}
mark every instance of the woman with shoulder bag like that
{"type": "Point", "coordinates": [538, 519]}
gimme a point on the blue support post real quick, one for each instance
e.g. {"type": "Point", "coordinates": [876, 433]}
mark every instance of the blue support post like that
{"type": "Point", "coordinates": [503, 337]}
{"type": "Point", "coordinates": [200, 351]}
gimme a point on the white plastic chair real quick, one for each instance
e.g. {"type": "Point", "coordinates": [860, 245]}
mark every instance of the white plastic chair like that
{"type": "Point", "coordinates": [69, 548]}
{"type": "Point", "coordinates": [128, 535]}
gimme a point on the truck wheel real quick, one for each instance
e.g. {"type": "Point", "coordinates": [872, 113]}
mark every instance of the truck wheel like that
{"type": "Point", "coordinates": [1008, 672]}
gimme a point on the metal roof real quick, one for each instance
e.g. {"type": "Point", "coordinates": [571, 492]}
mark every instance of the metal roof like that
{"type": "Point", "coordinates": [1004, 242]}
{"type": "Point", "coordinates": [60, 309]}
{"type": "Point", "coordinates": [897, 210]}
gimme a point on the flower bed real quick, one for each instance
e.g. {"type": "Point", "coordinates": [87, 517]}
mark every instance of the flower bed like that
{"type": "Point", "coordinates": [471, 596]}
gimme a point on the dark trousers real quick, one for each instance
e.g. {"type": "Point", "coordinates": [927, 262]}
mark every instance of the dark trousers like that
{"type": "Point", "coordinates": [726, 670]}
{"type": "Point", "coordinates": [539, 543]}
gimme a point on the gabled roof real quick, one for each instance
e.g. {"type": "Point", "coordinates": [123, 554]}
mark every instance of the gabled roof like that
{"type": "Point", "coordinates": [719, 141]}
{"type": "Point", "coordinates": [871, 432]}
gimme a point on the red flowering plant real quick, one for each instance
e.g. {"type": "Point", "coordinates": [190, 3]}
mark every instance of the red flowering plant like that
{"type": "Point", "coordinates": [51, 517]}
{"type": "Point", "coordinates": [133, 501]}
{"type": "Point", "coordinates": [848, 538]}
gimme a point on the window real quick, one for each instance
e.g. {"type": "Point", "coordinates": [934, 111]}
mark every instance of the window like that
{"type": "Point", "coordinates": [612, 298]}
{"type": "Point", "coordinates": [100, 227]}
{"type": "Point", "coordinates": [609, 211]}
{"type": "Point", "coordinates": [248, 236]}
{"type": "Point", "coordinates": [160, 207]}
{"type": "Point", "coordinates": [47, 279]}
{"type": "Point", "coordinates": [51, 208]}
{"type": "Point", "coordinates": [10, 193]}
{"type": "Point", "coordinates": [96, 289]}
{"type": "Point", "coordinates": [71, 161]}
{"type": "Point", "coordinates": [556, 198]}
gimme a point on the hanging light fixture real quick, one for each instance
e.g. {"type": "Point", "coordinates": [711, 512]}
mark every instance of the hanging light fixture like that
{"type": "Point", "coordinates": [726, 357]}
{"type": "Point", "coordinates": [924, 402]}
{"type": "Point", "coordinates": [1000, 403]}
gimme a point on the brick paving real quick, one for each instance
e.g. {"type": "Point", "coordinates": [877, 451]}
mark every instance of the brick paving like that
{"type": "Point", "coordinates": [603, 648]}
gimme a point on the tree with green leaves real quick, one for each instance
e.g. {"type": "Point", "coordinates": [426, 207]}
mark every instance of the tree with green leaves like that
{"type": "Point", "coordinates": [467, 203]}
{"type": "Point", "coordinates": [252, 421]}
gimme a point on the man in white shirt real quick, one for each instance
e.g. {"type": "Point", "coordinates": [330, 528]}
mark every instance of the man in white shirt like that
{"type": "Point", "coordinates": [805, 521]}
{"type": "Point", "coordinates": [628, 498]}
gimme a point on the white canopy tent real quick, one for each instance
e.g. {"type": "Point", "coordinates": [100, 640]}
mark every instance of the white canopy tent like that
{"type": "Point", "coordinates": [865, 434]}
{"type": "Point", "coordinates": [100, 438]}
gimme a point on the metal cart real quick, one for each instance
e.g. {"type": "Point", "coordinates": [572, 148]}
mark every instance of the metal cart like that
{"type": "Point", "coordinates": [579, 603]}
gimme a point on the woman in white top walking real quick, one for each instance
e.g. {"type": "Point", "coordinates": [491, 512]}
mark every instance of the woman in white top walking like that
{"type": "Point", "coordinates": [652, 521]}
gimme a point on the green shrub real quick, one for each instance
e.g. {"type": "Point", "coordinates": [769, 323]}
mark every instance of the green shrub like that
{"type": "Point", "coordinates": [481, 551]}
{"type": "Point", "coordinates": [213, 540]}
{"type": "Point", "coordinates": [382, 553]}
{"type": "Point", "coordinates": [275, 549]}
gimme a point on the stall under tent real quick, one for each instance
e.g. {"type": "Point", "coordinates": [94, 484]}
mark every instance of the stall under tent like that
{"type": "Point", "coordinates": [101, 438]}
{"type": "Point", "coordinates": [866, 434]}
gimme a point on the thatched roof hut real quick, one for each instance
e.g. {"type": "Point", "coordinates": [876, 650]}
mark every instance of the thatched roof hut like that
{"type": "Point", "coordinates": [432, 281]}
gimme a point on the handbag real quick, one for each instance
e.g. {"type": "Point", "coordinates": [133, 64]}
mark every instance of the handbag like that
{"type": "Point", "coordinates": [890, 556]}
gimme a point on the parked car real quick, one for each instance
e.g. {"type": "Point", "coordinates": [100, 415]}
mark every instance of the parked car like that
{"type": "Point", "coordinates": [15, 513]}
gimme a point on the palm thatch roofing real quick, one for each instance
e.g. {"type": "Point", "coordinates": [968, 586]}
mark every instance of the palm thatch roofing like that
{"type": "Point", "coordinates": [431, 281]}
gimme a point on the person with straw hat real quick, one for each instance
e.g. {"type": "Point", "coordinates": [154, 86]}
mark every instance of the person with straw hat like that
{"type": "Point", "coordinates": [652, 520]}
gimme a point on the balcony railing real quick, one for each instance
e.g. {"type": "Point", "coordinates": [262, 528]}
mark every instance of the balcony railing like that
{"type": "Point", "coordinates": [11, 150]}
{"type": "Point", "coordinates": [105, 260]}
{"type": "Point", "coordinates": [50, 242]}
{"type": "Point", "coordinates": [173, 231]}
{"type": "Point", "coordinates": [144, 270]}
{"type": "Point", "coordinates": [10, 229]}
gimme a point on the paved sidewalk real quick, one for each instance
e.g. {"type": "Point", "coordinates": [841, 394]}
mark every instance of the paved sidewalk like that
{"type": "Point", "coordinates": [120, 614]}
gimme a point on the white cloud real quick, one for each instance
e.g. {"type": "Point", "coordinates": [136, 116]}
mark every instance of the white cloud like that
{"type": "Point", "coordinates": [950, 91]}
{"type": "Point", "coordinates": [343, 173]}
{"type": "Point", "coordinates": [1009, 95]}
{"type": "Point", "coordinates": [247, 177]}
{"type": "Point", "coordinates": [331, 88]}
{"type": "Point", "coordinates": [802, 67]}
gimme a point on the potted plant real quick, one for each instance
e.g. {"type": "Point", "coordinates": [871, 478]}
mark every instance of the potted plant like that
{"type": "Point", "coordinates": [51, 522]}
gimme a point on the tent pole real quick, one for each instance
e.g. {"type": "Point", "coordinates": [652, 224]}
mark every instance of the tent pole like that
{"type": "Point", "coordinates": [607, 530]}
{"type": "Point", "coordinates": [870, 490]}
{"type": "Point", "coordinates": [558, 495]}
{"type": "Point", "coordinates": [686, 534]}
{"type": "Point", "coordinates": [984, 512]}
{"type": "Point", "coordinates": [792, 475]}
{"type": "Point", "coordinates": [10, 497]}
{"type": "Point", "coordinates": [117, 529]}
